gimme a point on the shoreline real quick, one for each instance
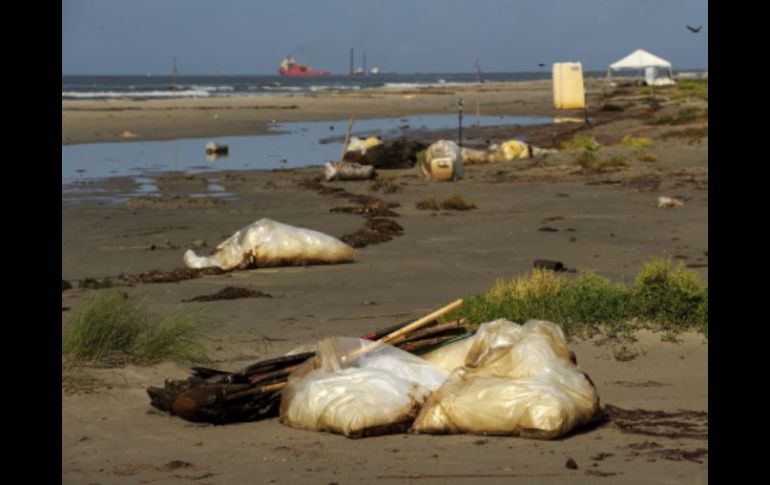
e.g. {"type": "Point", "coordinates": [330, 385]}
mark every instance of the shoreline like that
{"type": "Point", "coordinates": [97, 121]}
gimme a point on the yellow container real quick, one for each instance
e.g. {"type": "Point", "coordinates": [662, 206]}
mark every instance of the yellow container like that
{"type": "Point", "coordinates": [568, 89]}
{"type": "Point", "coordinates": [441, 169]}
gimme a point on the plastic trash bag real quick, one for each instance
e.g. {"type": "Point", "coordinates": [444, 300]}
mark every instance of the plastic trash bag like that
{"type": "Point", "coordinates": [360, 146]}
{"type": "Point", "coordinates": [348, 171]}
{"type": "Point", "coordinates": [270, 243]}
{"type": "Point", "coordinates": [451, 356]}
{"type": "Point", "coordinates": [358, 388]}
{"type": "Point", "coordinates": [505, 152]}
{"type": "Point", "coordinates": [517, 380]}
{"type": "Point", "coordinates": [443, 161]}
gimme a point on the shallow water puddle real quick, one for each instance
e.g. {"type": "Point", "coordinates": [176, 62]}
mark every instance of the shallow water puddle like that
{"type": "Point", "coordinates": [289, 145]}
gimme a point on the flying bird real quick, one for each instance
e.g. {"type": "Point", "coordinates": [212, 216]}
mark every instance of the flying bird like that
{"type": "Point", "coordinates": [541, 65]}
{"type": "Point", "coordinates": [694, 30]}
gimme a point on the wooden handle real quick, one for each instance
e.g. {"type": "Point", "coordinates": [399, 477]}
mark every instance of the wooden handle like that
{"type": "Point", "coordinates": [422, 321]}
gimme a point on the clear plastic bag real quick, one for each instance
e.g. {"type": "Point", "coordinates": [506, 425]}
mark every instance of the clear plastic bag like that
{"type": "Point", "coordinates": [517, 380]}
{"type": "Point", "coordinates": [270, 243]}
{"type": "Point", "coordinates": [358, 388]}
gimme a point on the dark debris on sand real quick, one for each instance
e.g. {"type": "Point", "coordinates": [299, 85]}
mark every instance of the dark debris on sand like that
{"type": "Point", "coordinates": [375, 231]}
{"type": "Point", "coordinates": [231, 293]}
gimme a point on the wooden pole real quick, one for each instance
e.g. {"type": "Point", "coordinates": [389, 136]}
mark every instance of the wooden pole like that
{"type": "Point", "coordinates": [347, 139]}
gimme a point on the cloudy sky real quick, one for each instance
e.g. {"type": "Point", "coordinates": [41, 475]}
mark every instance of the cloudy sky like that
{"type": "Point", "coordinates": [404, 36]}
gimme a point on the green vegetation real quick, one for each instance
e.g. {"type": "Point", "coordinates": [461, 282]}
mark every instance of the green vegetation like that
{"type": "Point", "coordinates": [113, 329]}
{"type": "Point", "coordinates": [589, 161]}
{"type": "Point", "coordinates": [663, 297]}
{"type": "Point", "coordinates": [582, 142]}
{"type": "Point", "coordinates": [691, 133]}
{"type": "Point", "coordinates": [683, 117]}
{"type": "Point", "coordinates": [636, 141]}
{"type": "Point", "coordinates": [692, 88]}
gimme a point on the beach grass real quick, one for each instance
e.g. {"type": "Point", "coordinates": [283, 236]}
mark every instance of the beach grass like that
{"type": "Point", "coordinates": [582, 142]}
{"type": "Point", "coordinates": [636, 141]}
{"type": "Point", "coordinates": [664, 297]}
{"type": "Point", "coordinates": [692, 88]}
{"type": "Point", "coordinates": [112, 329]}
{"type": "Point", "coordinates": [683, 117]}
{"type": "Point", "coordinates": [689, 133]}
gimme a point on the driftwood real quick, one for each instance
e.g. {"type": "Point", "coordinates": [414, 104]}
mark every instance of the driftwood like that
{"type": "Point", "coordinates": [253, 393]}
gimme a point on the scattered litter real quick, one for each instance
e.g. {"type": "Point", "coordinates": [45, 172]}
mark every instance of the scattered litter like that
{"type": "Point", "coordinates": [669, 202]}
{"type": "Point", "coordinates": [214, 148]}
{"type": "Point", "coordinates": [348, 171]}
{"type": "Point", "coordinates": [253, 393]}
{"type": "Point", "coordinates": [270, 243]}
{"type": "Point", "coordinates": [128, 134]}
{"type": "Point", "coordinates": [389, 155]}
{"type": "Point", "coordinates": [358, 145]}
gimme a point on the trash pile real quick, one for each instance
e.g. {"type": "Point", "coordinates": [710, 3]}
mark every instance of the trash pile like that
{"type": "Point", "coordinates": [422, 377]}
{"type": "Point", "coordinates": [443, 161]}
{"type": "Point", "coordinates": [269, 243]}
{"type": "Point", "coordinates": [254, 393]}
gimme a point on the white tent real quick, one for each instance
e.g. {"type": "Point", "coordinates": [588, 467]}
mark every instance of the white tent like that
{"type": "Point", "coordinates": [650, 64]}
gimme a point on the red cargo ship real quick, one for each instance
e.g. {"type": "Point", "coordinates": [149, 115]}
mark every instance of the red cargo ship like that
{"type": "Point", "coordinates": [290, 67]}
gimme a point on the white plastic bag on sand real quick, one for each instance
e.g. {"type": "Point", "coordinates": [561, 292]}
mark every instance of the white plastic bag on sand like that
{"type": "Point", "coordinates": [450, 356]}
{"type": "Point", "coordinates": [270, 243]}
{"type": "Point", "coordinates": [348, 171]}
{"type": "Point", "coordinates": [358, 392]}
{"type": "Point", "coordinates": [517, 380]}
{"type": "Point", "coordinates": [443, 161]}
{"type": "Point", "coordinates": [360, 146]}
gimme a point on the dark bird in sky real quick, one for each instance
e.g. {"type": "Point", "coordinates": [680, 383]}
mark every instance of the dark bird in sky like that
{"type": "Point", "coordinates": [694, 30]}
{"type": "Point", "coordinates": [541, 65]}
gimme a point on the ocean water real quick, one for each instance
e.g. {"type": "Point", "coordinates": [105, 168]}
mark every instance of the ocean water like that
{"type": "Point", "coordinates": [288, 145]}
{"type": "Point", "coordinates": [161, 86]}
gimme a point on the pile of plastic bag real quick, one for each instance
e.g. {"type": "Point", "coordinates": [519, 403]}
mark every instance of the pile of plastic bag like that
{"type": "Point", "coordinates": [358, 388]}
{"type": "Point", "coordinates": [507, 379]}
{"type": "Point", "coordinates": [515, 380]}
{"type": "Point", "coordinates": [269, 243]}
{"type": "Point", "coordinates": [357, 145]}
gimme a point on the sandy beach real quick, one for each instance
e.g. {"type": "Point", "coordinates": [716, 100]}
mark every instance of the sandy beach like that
{"type": "Point", "coordinates": [552, 208]}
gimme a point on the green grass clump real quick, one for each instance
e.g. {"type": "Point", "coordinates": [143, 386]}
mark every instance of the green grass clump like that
{"type": "Point", "coordinates": [692, 88]}
{"type": "Point", "coordinates": [690, 133]}
{"type": "Point", "coordinates": [683, 117]}
{"type": "Point", "coordinates": [663, 297]}
{"type": "Point", "coordinates": [582, 142]}
{"type": "Point", "coordinates": [636, 141]}
{"type": "Point", "coordinates": [113, 329]}
{"type": "Point", "coordinates": [591, 162]}
{"type": "Point", "coordinates": [648, 157]}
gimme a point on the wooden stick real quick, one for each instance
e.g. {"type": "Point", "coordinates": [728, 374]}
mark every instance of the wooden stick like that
{"type": "Point", "coordinates": [347, 139]}
{"type": "Point", "coordinates": [430, 331]}
{"type": "Point", "coordinates": [422, 321]}
{"type": "Point", "coordinates": [403, 331]}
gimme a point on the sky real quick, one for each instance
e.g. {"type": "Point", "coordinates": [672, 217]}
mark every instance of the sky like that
{"type": "Point", "coordinates": [404, 36]}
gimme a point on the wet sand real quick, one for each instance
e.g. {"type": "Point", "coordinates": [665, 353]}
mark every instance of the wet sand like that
{"type": "Point", "coordinates": [605, 221]}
